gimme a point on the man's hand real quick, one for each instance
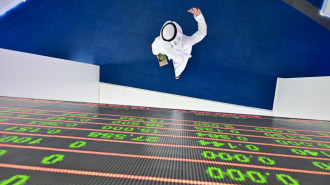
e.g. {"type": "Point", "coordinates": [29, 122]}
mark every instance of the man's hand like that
{"type": "Point", "coordinates": [195, 11]}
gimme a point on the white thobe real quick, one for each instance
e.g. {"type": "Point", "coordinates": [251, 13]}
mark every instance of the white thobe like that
{"type": "Point", "coordinates": [180, 55]}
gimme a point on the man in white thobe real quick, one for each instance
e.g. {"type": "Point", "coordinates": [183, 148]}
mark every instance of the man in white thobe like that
{"type": "Point", "coordinates": [177, 46]}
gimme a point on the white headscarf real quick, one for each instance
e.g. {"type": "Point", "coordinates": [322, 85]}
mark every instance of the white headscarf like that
{"type": "Point", "coordinates": [172, 32]}
{"type": "Point", "coordinates": [172, 35]}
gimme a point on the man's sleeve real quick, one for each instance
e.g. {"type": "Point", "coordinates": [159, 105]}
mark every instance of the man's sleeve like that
{"type": "Point", "coordinates": [155, 46]}
{"type": "Point", "coordinates": [202, 30]}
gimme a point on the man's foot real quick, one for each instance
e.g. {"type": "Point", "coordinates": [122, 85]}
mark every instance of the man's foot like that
{"type": "Point", "coordinates": [177, 77]}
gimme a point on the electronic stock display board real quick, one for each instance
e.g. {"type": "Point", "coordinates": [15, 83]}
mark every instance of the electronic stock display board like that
{"type": "Point", "coordinates": [58, 142]}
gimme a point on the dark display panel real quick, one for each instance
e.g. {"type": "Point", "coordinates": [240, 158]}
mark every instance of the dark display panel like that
{"type": "Point", "coordinates": [58, 142]}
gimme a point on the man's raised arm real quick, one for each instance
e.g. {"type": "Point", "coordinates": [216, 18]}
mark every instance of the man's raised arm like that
{"type": "Point", "coordinates": [202, 28]}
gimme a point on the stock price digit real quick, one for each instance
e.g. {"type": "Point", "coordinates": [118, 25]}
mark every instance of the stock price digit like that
{"type": "Point", "coordinates": [52, 159]}
{"type": "Point", "coordinates": [254, 176]}
{"type": "Point", "coordinates": [238, 157]}
{"type": "Point", "coordinates": [19, 140]}
{"type": "Point", "coordinates": [321, 165]}
{"type": "Point", "coordinates": [77, 144]}
{"type": "Point", "coordinates": [3, 152]}
{"type": "Point", "coordinates": [20, 180]}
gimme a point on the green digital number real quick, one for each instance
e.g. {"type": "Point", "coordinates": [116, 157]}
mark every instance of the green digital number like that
{"type": "Point", "coordinates": [52, 159]}
{"type": "Point", "coordinates": [256, 177]}
{"type": "Point", "coordinates": [234, 131]}
{"type": "Point", "coordinates": [225, 156]}
{"type": "Point", "coordinates": [94, 134]}
{"type": "Point", "coordinates": [11, 128]}
{"type": "Point", "coordinates": [215, 173]}
{"type": "Point", "coordinates": [107, 127]}
{"type": "Point", "coordinates": [228, 126]}
{"type": "Point", "coordinates": [252, 147]}
{"type": "Point", "coordinates": [8, 138]}
{"type": "Point", "coordinates": [2, 152]}
{"type": "Point", "coordinates": [37, 141]}
{"type": "Point", "coordinates": [286, 179]}
{"type": "Point", "coordinates": [241, 158]}
{"type": "Point", "coordinates": [144, 130]}
{"type": "Point", "coordinates": [209, 155]}
{"type": "Point", "coordinates": [120, 136]}
{"type": "Point", "coordinates": [321, 165]}
{"type": "Point", "coordinates": [268, 130]}
{"type": "Point", "coordinates": [53, 131]}
{"type": "Point", "coordinates": [266, 160]}
{"type": "Point", "coordinates": [126, 123]}
{"type": "Point", "coordinates": [231, 145]}
{"type": "Point", "coordinates": [197, 123]}
{"type": "Point", "coordinates": [77, 144]}
{"type": "Point", "coordinates": [215, 143]}
{"type": "Point", "coordinates": [291, 131]}
{"type": "Point", "coordinates": [323, 145]}
{"type": "Point", "coordinates": [71, 124]}
{"type": "Point", "coordinates": [150, 139]}
{"type": "Point", "coordinates": [305, 137]}
{"type": "Point", "coordinates": [33, 122]}
{"type": "Point", "coordinates": [328, 155]}
{"type": "Point", "coordinates": [236, 175]}
{"type": "Point", "coordinates": [274, 135]}
{"type": "Point", "coordinates": [199, 128]}
{"type": "Point", "coordinates": [20, 180]}
{"type": "Point", "coordinates": [323, 134]}
{"type": "Point", "coordinates": [16, 139]}
{"type": "Point", "coordinates": [118, 128]}
{"type": "Point", "coordinates": [107, 135]}
{"type": "Point", "coordinates": [241, 138]}
{"type": "Point", "coordinates": [304, 152]}
{"type": "Point", "coordinates": [22, 140]}
{"type": "Point", "coordinates": [294, 143]}
{"type": "Point", "coordinates": [70, 114]}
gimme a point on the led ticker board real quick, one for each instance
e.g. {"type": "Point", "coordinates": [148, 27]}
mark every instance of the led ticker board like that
{"type": "Point", "coordinates": [57, 142]}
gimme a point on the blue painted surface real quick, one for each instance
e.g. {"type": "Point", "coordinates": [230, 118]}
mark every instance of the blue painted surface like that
{"type": "Point", "coordinates": [249, 43]}
{"type": "Point", "coordinates": [317, 3]}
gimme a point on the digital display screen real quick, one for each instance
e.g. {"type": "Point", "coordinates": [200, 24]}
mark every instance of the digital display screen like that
{"type": "Point", "coordinates": [59, 142]}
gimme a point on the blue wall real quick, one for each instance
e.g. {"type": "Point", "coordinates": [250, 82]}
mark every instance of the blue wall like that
{"type": "Point", "coordinates": [317, 3]}
{"type": "Point", "coordinates": [249, 43]}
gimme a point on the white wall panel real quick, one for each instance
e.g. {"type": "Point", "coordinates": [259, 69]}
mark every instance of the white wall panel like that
{"type": "Point", "coordinates": [35, 76]}
{"type": "Point", "coordinates": [326, 8]}
{"type": "Point", "coordinates": [307, 98]}
{"type": "Point", "coordinates": [116, 94]}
